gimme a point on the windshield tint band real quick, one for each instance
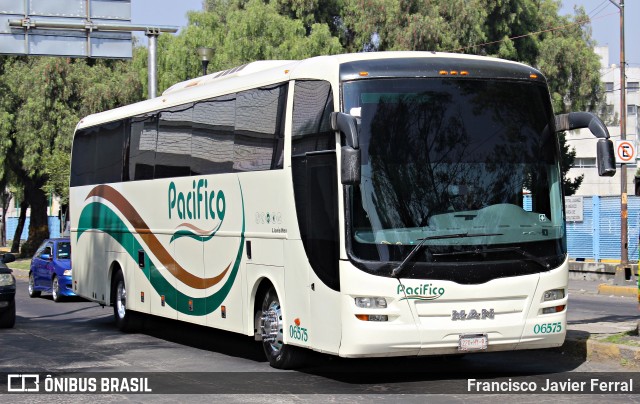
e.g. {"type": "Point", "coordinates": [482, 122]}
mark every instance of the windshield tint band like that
{"type": "Point", "coordinates": [433, 66]}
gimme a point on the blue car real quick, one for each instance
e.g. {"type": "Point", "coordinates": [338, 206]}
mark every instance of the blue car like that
{"type": "Point", "coordinates": [51, 269]}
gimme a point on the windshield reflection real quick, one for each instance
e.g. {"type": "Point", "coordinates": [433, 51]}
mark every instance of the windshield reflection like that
{"type": "Point", "coordinates": [445, 156]}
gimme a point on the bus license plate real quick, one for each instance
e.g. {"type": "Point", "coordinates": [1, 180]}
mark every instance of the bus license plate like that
{"type": "Point", "coordinates": [475, 342]}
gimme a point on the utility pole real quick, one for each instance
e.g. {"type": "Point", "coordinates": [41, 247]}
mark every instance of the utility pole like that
{"type": "Point", "coordinates": [624, 213]}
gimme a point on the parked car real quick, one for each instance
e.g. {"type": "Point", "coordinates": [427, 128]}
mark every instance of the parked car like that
{"type": "Point", "coordinates": [7, 292]}
{"type": "Point", "coordinates": [51, 269]}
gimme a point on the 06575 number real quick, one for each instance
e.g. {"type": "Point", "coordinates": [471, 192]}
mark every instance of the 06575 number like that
{"type": "Point", "coordinates": [549, 328]}
{"type": "Point", "coordinates": [299, 333]}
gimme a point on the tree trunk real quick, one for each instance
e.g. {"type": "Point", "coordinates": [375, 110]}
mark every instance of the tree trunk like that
{"type": "Point", "coordinates": [15, 247]}
{"type": "Point", "coordinates": [39, 222]}
{"type": "Point", "coordinates": [3, 236]}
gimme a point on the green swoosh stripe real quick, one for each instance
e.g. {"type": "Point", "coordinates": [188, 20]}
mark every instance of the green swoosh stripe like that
{"type": "Point", "coordinates": [97, 216]}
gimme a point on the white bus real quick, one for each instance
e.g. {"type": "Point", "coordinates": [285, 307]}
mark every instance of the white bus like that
{"type": "Point", "coordinates": [360, 205]}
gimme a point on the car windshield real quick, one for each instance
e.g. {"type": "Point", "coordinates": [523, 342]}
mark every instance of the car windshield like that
{"type": "Point", "coordinates": [470, 165]}
{"type": "Point", "coordinates": [64, 250]}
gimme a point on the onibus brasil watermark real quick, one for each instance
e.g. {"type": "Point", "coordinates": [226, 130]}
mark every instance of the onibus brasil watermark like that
{"type": "Point", "coordinates": [33, 383]}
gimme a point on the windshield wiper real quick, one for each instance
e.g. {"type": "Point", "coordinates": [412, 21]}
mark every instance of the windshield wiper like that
{"type": "Point", "coordinates": [519, 250]}
{"type": "Point", "coordinates": [397, 270]}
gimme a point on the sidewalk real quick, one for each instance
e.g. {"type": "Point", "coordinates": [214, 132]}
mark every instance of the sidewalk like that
{"type": "Point", "coordinates": [586, 340]}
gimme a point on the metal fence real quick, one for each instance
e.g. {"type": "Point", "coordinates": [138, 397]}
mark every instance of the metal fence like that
{"type": "Point", "coordinates": [12, 224]}
{"type": "Point", "coordinates": [597, 236]}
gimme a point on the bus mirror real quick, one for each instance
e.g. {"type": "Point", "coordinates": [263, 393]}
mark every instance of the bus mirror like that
{"type": "Point", "coordinates": [346, 124]}
{"type": "Point", "coordinates": [606, 158]}
{"type": "Point", "coordinates": [579, 120]}
{"type": "Point", "coordinates": [605, 154]}
{"type": "Point", "coordinates": [350, 166]}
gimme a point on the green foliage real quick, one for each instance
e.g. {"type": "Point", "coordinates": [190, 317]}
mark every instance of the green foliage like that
{"type": "Point", "coordinates": [413, 24]}
{"type": "Point", "coordinates": [44, 98]}
{"type": "Point", "coordinates": [240, 32]}
{"type": "Point", "coordinates": [567, 157]}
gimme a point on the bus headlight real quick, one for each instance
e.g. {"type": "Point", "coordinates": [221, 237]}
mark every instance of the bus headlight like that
{"type": "Point", "coordinates": [554, 294]}
{"type": "Point", "coordinates": [7, 280]}
{"type": "Point", "coordinates": [371, 302]}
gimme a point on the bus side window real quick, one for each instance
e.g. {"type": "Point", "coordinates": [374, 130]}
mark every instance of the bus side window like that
{"type": "Point", "coordinates": [109, 158]}
{"type": "Point", "coordinates": [258, 123]}
{"type": "Point", "coordinates": [142, 149]}
{"type": "Point", "coordinates": [212, 135]}
{"type": "Point", "coordinates": [83, 157]}
{"type": "Point", "coordinates": [173, 149]}
{"type": "Point", "coordinates": [312, 107]}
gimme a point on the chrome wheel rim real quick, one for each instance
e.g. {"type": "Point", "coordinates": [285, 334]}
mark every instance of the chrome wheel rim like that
{"type": "Point", "coordinates": [31, 284]}
{"type": "Point", "coordinates": [55, 288]}
{"type": "Point", "coordinates": [121, 300]}
{"type": "Point", "coordinates": [272, 327]}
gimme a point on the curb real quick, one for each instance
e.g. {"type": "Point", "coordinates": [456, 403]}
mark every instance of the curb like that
{"type": "Point", "coordinates": [579, 344]}
{"type": "Point", "coordinates": [628, 291]}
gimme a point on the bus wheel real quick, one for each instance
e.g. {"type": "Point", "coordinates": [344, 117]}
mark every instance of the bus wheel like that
{"type": "Point", "coordinates": [280, 355]}
{"type": "Point", "coordinates": [125, 319]}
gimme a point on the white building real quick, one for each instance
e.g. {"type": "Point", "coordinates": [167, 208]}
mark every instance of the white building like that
{"type": "Point", "coordinates": [585, 144]}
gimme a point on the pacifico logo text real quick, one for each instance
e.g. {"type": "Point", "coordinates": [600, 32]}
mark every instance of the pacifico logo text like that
{"type": "Point", "coordinates": [196, 203]}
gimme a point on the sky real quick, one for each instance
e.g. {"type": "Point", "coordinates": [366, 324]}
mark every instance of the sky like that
{"type": "Point", "coordinates": [162, 12]}
{"type": "Point", "coordinates": [605, 21]}
{"type": "Point", "coordinates": [605, 25]}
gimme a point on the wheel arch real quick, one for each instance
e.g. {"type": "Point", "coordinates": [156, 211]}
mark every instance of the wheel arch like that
{"type": "Point", "coordinates": [114, 267]}
{"type": "Point", "coordinates": [260, 288]}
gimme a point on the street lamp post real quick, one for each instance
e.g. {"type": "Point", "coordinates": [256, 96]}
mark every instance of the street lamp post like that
{"type": "Point", "coordinates": [206, 54]}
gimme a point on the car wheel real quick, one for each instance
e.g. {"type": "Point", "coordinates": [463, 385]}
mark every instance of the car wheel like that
{"type": "Point", "coordinates": [8, 317]}
{"type": "Point", "coordinates": [55, 290]}
{"type": "Point", "coordinates": [126, 320]}
{"type": "Point", "coordinates": [32, 287]}
{"type": "Point", "coordinates": [279, 354]}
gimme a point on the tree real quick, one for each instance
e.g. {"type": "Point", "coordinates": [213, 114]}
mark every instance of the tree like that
{"type": "Point", "coordinates": [241, 32]}
{"type": "Point", "coordinates": [44, 100]}
{"type": "Point", "coordinates": [426, 25]}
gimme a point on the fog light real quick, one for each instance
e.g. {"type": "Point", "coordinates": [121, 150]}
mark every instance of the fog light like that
{"type": "Point", "coordinates": [371, 302]}
{"type": "Point", "coordinates": [551, 310]}
{"type": "Point", "coordinates": [555, 294]}
{"type": "Point", "coordinates": [372, 317]}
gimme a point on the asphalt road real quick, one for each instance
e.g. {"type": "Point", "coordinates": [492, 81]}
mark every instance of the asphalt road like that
{"type": "Point", "coordinates": [79, 336]}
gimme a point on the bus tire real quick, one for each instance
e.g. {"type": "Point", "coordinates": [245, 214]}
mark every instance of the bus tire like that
{"type": "Point", "coordinates": [125, 319]}
{"type": "Point", "coordinates": [279, 354]}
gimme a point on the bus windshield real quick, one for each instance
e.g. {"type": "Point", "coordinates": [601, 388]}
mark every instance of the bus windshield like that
{"type": "Point", "coordinates": [468, 169]}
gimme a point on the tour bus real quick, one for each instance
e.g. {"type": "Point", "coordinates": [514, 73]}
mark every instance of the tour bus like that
{"type": "Point", "coordinates": [360, 205]}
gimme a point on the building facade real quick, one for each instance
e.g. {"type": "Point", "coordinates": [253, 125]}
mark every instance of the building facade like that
{"type": "Point", "coordinates": [585, 144]}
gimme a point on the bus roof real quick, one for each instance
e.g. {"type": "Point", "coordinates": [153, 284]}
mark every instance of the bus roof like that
{"type": "Point", "coordinates": [262, 73]}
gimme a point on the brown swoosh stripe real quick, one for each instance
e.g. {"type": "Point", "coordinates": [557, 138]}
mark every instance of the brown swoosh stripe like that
{"type": "Point", "coordinates": [200, 232]}
{"type": "Point", "coordinates": [140, 227]}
